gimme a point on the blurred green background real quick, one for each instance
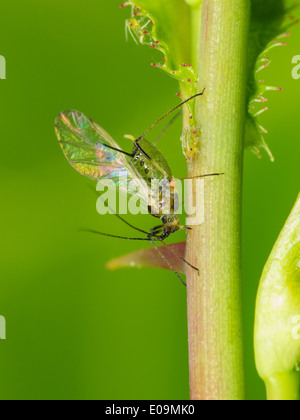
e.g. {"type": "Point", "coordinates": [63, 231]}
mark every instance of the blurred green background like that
{"type": "Point", "coordinates": [74, 330]}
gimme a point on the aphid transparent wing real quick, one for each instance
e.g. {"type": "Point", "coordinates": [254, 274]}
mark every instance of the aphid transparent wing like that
{"type": "Point", "coordinates": [82, 141]}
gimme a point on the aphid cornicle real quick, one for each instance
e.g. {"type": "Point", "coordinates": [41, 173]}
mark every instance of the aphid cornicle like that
{"type": "Point", "coordinates": [94, 153]}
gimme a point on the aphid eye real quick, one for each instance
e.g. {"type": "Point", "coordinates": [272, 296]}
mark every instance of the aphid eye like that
{"type": "Point", "coordinates": [142, 163]}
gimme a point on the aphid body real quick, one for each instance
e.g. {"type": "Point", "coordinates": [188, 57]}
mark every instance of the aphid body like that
{"type": "Point", "coordinates": [93, 153]}
{"type": "Point", "coordinates": [158, 169]}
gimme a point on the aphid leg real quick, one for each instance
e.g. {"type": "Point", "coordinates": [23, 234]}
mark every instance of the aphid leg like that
{"type": "Point", "coordinates": [142, 151]}
{"type": "Point", "coordinates": [202, 176]}
{"type": "Point", "coordinates": [158, 230]}
{"type": "Point", "coordinates": [119, 150]}
{"type": "Point", "coordinates": [185, 228]}
{"type": "Point", "coordinates": [150, 239]}
{"type": "Point", "coordinates": [180, 257]}
{"type": "Point", "coordinates": [166, 260]}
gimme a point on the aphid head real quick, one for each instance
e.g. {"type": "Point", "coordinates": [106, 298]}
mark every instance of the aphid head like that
{"type": "Point", "coordinates": [171, 223]}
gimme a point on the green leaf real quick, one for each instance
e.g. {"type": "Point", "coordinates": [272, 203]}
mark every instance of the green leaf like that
{"type": "Point", "coordinates": [270, 22]}
{"type": "Point", "coordinates": [173, 28]}
{"type": "Point", "coordinates": [167, 26]}
{"type": "Point", "coordinates": [277, 325]}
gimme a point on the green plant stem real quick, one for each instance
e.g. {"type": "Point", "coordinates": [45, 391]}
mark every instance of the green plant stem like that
{"type": "Point", "coordinates": [195, 17]}
{"type": "Point", "coordinates": [284, 387]}
{"type": "Point", "coordinates": [214, 297]}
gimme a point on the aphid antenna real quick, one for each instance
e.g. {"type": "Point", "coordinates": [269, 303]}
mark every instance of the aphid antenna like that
{"type": "Point", "coordinates": [149, 239]}
{"type": "Point", "coordinates": [129, 224]}
{"type": "Point", "coordinates": [118, 216]}
{"type": "Point", "coordinates": [136, 143]}
{"type": "Point", "coordinates": [167, 127]}
{"type": "Point", "coordinates": [167, 114]}
{"type": "Point", "coordinates": [158, 239]}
